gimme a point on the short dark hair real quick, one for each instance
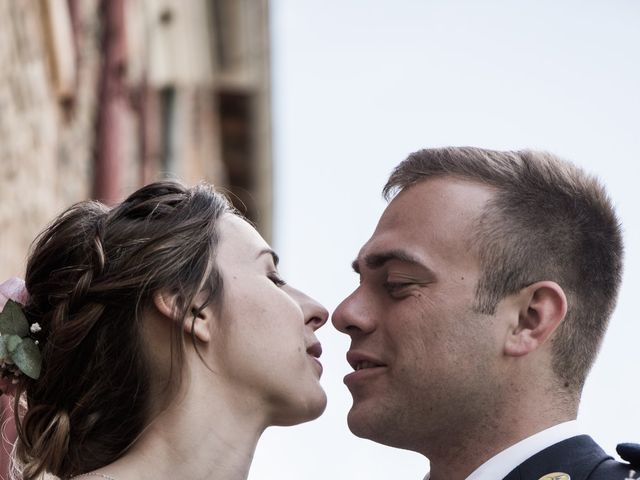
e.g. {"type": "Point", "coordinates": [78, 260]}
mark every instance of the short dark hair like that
{"type": "Point", "coordinates": [90, 276]}
{"type": "Point", "coordinates": [548, 220]}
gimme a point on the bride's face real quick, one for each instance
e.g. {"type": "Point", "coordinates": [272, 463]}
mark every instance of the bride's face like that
{"type": "Point", "coordinates": [264, 338]}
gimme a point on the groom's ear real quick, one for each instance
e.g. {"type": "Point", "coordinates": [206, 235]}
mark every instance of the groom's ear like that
{"type": "Point", "coordinates": [198, 320]}
{"type": "Point", "coordinates": [542, 308]}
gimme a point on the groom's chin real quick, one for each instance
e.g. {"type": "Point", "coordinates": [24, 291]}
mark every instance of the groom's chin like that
{"type": "Point", "coordinates": [362, 422]}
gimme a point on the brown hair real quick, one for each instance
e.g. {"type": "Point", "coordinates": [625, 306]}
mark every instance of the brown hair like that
{"type": "Point", "coordinates": [90, 275]}
{"type": "Point", "coordinates": [548, 220]}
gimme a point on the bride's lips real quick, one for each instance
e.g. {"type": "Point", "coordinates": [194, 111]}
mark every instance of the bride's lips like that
{"type": "Point", "coordinates": [365, 366]}
{"type": "Point", "coordinates": [314, 351]}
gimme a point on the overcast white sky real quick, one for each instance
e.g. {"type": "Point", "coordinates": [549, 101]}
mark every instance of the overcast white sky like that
{"type": "Point", "coordinates": [358, 84]}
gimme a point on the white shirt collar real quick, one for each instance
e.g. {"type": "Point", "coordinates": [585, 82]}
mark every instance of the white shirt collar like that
{"type": "Point", "coordinates": [501, 464]}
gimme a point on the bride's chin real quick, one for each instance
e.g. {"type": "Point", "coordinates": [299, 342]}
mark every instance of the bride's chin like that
{"type": "Point", "coordinates": [310, 409]}
{"type": "Point", "coordinates": [319, 406]}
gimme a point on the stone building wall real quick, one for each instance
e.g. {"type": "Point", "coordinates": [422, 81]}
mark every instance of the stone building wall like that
{"type": "Point", "coordinates": [191, 101]}
{"type": "Point", "coordinates": [45, 138]}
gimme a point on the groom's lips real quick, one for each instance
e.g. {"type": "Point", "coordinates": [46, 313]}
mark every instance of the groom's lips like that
{"type": "Point", "coordinates": [366, 367]}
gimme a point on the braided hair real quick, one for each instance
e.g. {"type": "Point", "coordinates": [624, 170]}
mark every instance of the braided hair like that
{"type": "Point", "coordinates": [90, 275]}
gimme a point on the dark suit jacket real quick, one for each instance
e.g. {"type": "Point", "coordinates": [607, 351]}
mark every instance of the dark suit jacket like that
{"type": "Point", "coordinates": [579, 457]}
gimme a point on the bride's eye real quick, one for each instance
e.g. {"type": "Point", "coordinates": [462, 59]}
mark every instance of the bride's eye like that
{"type": "Point", "coordinates": [276, 279]}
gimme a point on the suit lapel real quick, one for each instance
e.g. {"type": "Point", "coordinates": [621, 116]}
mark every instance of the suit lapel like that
{"type": "Point", "coordinates": [576, 456]}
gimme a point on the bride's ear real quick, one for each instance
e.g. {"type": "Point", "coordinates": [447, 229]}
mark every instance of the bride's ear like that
{"type": "Point", "coordinates": [198, 320]}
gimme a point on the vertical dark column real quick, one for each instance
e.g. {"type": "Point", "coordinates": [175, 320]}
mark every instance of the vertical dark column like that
{"type": "Point", "coordinates": [108, 161]}
{"type": "Point", "coordinates": [238, 153]}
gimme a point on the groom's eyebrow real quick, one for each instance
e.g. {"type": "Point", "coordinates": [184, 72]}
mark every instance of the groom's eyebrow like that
{"type": "Point", "coordinates": [274, 255]}
{"type": "Point", "coordinates": [377, 260]}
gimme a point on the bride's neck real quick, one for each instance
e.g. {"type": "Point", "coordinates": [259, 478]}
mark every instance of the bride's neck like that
{"type": "Point", "coordinates": [199, 436]}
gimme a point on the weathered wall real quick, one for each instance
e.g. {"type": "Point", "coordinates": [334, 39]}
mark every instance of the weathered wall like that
{"type": "Point", "coordinates": [45, 139]}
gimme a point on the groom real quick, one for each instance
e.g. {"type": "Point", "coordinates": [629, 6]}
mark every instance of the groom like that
{"type": "Point", "coordinates": [484, 295]}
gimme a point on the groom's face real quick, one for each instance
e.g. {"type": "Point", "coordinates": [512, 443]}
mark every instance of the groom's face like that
{"type": "Point", "coordinates": [421, 354]}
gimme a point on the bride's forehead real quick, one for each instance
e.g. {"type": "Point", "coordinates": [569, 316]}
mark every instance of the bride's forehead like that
{"type": "Point", "coordinates": [238, 235]}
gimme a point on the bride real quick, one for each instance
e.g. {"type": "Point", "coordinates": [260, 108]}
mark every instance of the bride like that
{"type": "Point", "coordinates": [167, 342]}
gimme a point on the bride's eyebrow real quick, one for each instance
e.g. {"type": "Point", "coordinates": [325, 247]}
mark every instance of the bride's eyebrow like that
{"type": "Point", "coordinates": [274, 255]}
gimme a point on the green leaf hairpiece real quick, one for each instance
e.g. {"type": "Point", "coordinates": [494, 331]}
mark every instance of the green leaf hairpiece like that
{"type": "Point", "coordinates": [16, 346]}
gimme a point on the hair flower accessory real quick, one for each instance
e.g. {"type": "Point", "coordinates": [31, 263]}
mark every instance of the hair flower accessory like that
{"type": "Point", "coordinates": [18, 351]}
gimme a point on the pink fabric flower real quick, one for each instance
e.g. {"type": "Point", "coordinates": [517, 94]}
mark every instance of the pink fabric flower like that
{"type": "Point", "coordinates": [13, 289]}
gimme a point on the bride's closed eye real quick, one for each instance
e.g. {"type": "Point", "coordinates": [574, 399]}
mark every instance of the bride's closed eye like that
{"type": "Point", "coordinates": [276, 279]}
